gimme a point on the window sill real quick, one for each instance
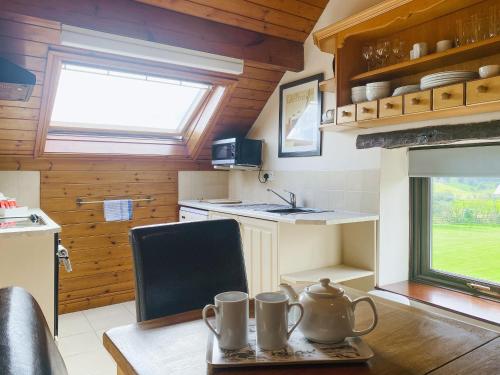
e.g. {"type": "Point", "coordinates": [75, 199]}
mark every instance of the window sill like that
{"type": "Point", "coordinates": [460, 303]}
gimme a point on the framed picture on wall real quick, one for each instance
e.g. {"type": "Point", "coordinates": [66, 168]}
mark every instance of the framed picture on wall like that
{"type": "Point", "coordinates": [300, 117]}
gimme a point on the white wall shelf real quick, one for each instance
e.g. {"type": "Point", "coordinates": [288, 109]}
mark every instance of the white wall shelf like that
{"type": "Point", "coordinates": [337, 274]}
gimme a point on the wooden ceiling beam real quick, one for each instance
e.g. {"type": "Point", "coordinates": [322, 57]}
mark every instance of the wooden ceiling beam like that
{"type": "Point", "coordinates": [136, 20]}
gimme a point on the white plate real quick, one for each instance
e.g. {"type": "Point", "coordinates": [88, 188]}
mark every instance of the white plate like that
{"type": "Point", "coordinates": [433, 79]}
{"type": "Point", "coordinates": [406, 89]}
{"type": "Point", "coordinates": [445, 78]}
{"type": "Point", "coordinates": [437, 84]}
{"type": "Point", "coordinates": [449, 75]}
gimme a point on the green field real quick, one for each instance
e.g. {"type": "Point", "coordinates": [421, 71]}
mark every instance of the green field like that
{"type": "Point", "coordinates": [471, 250]}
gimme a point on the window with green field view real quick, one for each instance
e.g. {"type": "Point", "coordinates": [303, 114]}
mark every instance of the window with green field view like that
{"type": "Point", "coordinates": [456, 232]}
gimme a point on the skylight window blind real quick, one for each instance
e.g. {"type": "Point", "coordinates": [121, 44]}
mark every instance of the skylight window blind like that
{"type": "Point", "coordinates": [475, 161]}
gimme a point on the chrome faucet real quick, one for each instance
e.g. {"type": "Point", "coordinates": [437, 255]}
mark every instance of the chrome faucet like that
{"type": "Point", "coordinates": [293, 199]}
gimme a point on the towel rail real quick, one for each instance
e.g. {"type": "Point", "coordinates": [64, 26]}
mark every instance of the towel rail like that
{"type": "Point", "coordinates": [80, 201]}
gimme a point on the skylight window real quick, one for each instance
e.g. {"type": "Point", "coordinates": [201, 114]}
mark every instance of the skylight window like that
{"type": "Point", "coordinates": [90, 99]}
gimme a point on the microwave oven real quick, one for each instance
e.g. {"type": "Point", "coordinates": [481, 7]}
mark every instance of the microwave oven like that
{"type": "Point", "coordinates": [237, 152]}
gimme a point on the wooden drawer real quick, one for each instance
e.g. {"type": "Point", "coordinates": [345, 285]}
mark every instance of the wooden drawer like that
{"type": "Point", "coordinates": [392, 106]}
{"type": "Point", "coordinates": [346, 114]}
{"type": "Point", "coordinates": [448, 96]}
{"type": "Point", "coordinates": [483, 90]}
{"type": "Point", "coordinates": [418, 102]}
{"type": "Point", "coordinates": [367, 110]}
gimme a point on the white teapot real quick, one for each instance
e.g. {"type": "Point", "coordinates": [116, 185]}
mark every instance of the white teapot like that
{"type": "Point", "coordinates": [328, 313]}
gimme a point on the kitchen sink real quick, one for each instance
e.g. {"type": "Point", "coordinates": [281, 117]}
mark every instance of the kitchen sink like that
{"type": "Point", "coordinates": [290, 210]}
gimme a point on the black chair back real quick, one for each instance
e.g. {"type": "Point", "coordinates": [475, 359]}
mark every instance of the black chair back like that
{"type": "Point", "coordinates": [26, 345]}
{"type": "Point", "coordinates": [182, 266]}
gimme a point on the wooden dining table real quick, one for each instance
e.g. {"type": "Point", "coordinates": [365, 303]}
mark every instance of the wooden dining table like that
{"type": "Point", "coordinates": [406, 340]}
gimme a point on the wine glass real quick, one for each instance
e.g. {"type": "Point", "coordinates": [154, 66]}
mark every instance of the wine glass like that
{"type": "Point", "coordinates": [368, 52]}
{"type": "Point", "coordinates": [398, 49]}
{"type": "Point", "coordinates": [493, 21]}
{"type": "Point", "coordinates": [460, 37]}
{"type": "Point", "coordinates": [383, 51]}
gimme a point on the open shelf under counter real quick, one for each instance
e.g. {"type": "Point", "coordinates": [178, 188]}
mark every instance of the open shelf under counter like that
{"type": "Point", "coordinates": [337, 274]}
{"type": "Point", "coordinates": [432, 61]}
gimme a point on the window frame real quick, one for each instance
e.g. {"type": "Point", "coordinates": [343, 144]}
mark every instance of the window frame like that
{"type": "Point", "coordinates": [421, 246]}
{"type": "Point", "coordinates": [89, 143]}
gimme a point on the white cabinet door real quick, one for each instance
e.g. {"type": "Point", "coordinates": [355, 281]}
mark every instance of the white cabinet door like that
{"type": "Point", "coordinates": [219, 215]}
{"type": "Point", "coordinates": [260, 249]}
{"type": "Point", "coordinates": [192, 215]}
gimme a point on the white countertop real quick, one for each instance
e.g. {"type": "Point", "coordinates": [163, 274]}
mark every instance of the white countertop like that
{"type": "Point", "coordinates": [316, 218]}
{"type": "Point", "coordinates": [49, 227]}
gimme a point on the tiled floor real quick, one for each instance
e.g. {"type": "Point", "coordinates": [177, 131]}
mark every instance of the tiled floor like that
{"type": "Point", "coordinates": [80, 338]}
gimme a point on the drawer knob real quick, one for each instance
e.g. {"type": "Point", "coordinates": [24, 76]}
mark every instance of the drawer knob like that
{"type": "Point", "coordinates": [365, 110]}
{"type": "Point", "coordinates": [482, 88]}
{"type": "Point", "coordinates": [389, 105]}
{"type": "Point", "coordinates": [445, 95]}
{"type": "Point", "coordinates": [346, 113]}
{"type": "Point", "coordinates": [415, 101]}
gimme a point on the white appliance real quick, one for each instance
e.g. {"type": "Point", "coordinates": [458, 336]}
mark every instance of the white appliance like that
{"type": "Point", "coordinates": [30, 249]}
{"type": "Point", "coordinates": [192, 214]}
{"type": "Point", "coordinates": [29, 258]}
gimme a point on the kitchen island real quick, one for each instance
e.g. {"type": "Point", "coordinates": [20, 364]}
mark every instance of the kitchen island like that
{"type": "Point", "coordinates": [299, 248]}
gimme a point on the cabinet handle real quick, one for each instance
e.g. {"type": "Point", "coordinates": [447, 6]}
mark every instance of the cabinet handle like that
{"type": "Point", "coordinates": [445, 95]}
{"type": "Point", "coordinates": [415, 101]}
{"type": "Point", "coordinates": [345, 114]}
{"type": "Point", "coordinates": [388, 105]}
{"type": "Point", "coordinates": [365, 110]}
{"type": "Point", "coordinates": [482, 88]}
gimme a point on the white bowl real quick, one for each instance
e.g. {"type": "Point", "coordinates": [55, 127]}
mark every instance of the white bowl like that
{"type": "Point", "coordinates": [359, 99]}
{"type": "Point", "coordinates": [489, 71]}
{"type": "Point", "coordinates": [358, 94]}
{"type": "Point", "coordinates": [378, 84]}
{"type": "Point", "coordinates": [405, 89]}
{"type": "Point", "coordinates": [377, 93]}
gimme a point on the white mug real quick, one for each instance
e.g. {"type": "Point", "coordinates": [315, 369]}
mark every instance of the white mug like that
{"type": "Point", "coordinates": [231, 319]}
{"type": "Point", "coordinates": [419, 49]}
{"type": "Point", "coordinates": [443, 45]}
{"type": "Point", "coordinates": [271, 316]}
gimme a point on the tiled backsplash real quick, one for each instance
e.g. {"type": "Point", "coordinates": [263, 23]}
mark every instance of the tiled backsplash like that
{"type": "Point", "coordinates": [345, 190]}
{"type": "Point", "coordinates": [203, 184]}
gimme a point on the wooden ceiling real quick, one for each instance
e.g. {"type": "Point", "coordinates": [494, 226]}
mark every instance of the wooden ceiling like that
{"type": "Point", "coordinates": [265, 33]}
{"type": "Point", "coordinates": [289, 19]}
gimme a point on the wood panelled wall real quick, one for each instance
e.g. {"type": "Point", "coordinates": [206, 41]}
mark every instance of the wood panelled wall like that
{"type": "Point", "coordinates": [26, 41]}
{"type": "Point", "coordinates": [100, 252]}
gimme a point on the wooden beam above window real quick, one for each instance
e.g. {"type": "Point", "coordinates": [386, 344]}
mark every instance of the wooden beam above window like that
{"type": "Point", "coordinates": [136, 20]}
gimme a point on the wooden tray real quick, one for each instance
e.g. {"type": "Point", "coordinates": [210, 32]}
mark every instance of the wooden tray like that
{"type": "Point", "coordinates": [299, 351]}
